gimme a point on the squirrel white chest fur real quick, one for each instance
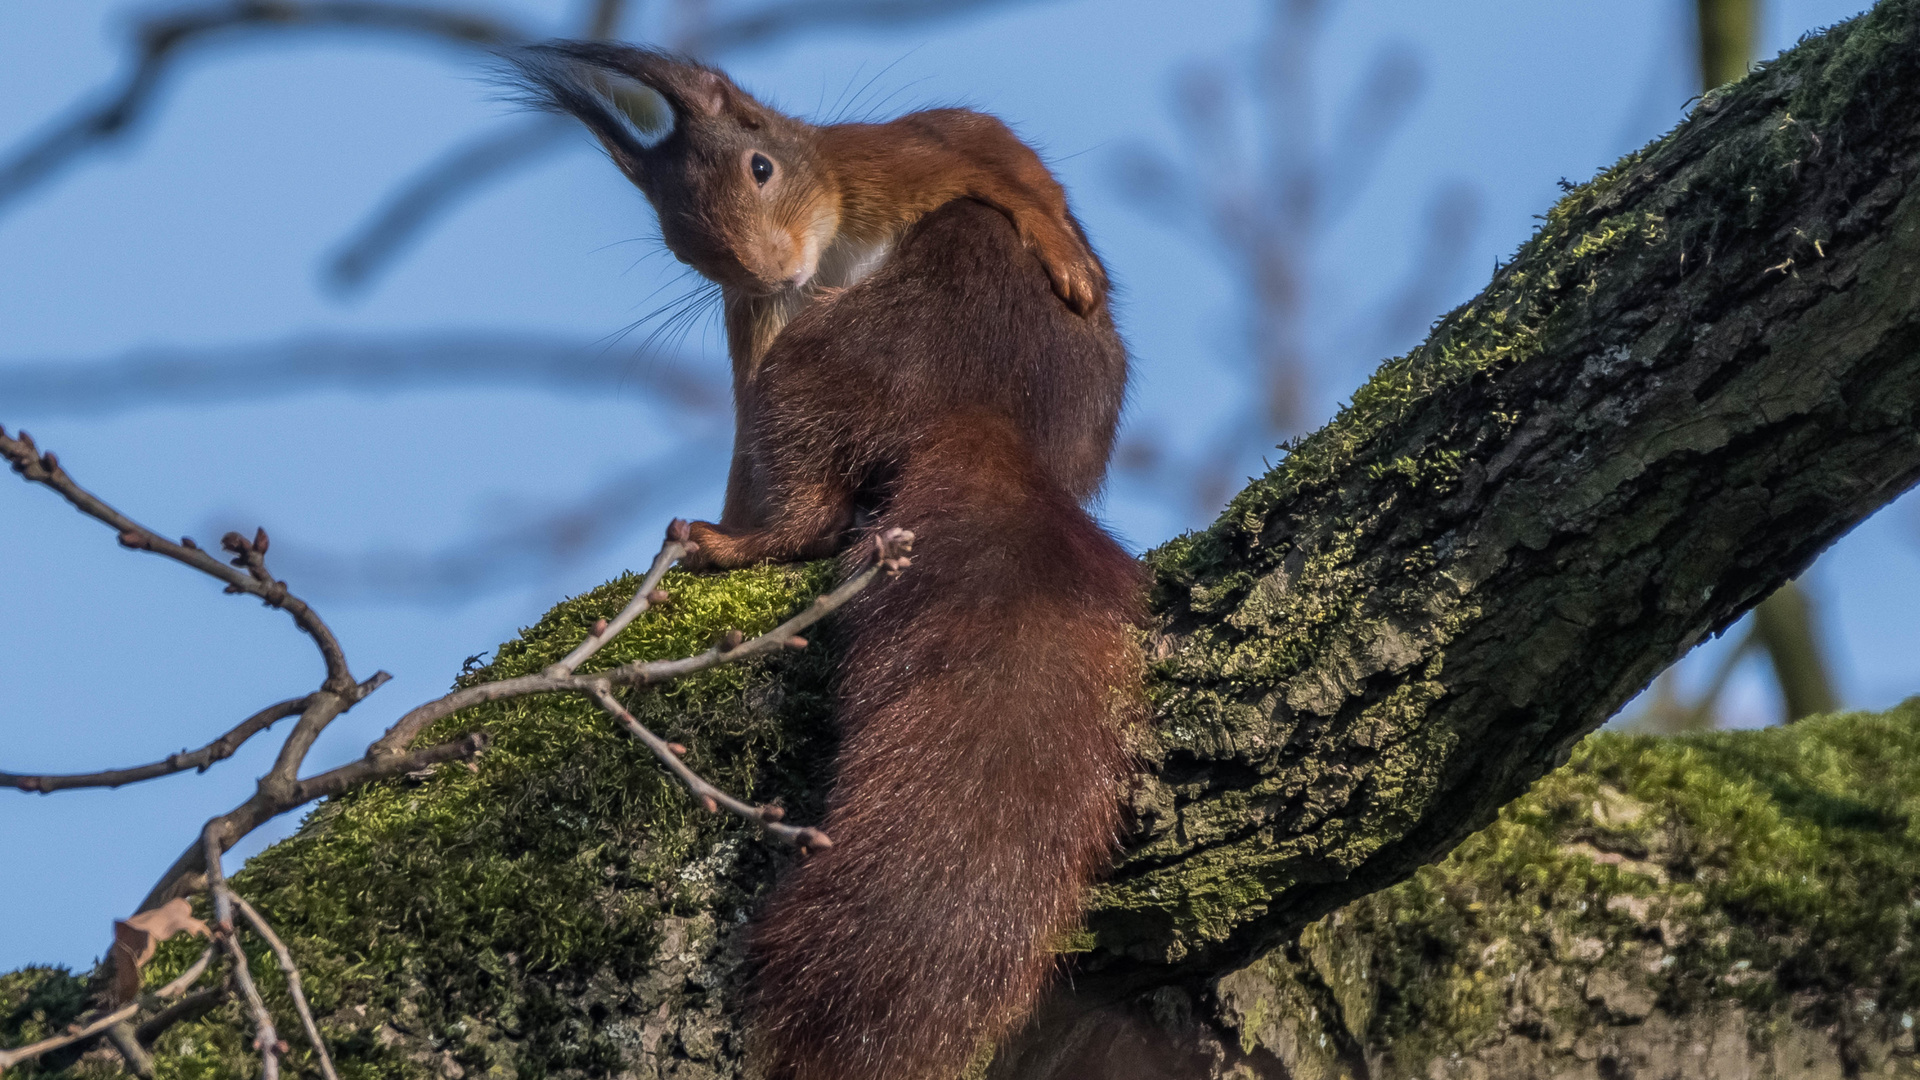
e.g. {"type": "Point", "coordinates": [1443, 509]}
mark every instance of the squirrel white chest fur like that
{"type": "Point", "coordinates": [754, 321]}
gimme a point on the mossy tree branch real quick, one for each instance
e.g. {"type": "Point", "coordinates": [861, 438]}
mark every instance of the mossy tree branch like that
{"type": "Point", "coordinates": [1700, 372]}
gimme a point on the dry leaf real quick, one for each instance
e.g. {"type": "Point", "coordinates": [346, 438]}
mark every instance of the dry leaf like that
{"type": "Point", "coordinates": [135, 939]}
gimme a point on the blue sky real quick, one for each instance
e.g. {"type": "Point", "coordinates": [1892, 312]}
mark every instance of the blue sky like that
{"type": "Point", "coordinates": [206, 230]}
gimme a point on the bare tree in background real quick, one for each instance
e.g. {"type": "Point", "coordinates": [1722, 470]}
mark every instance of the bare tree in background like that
{"type": "Point", "coordinates": [1261, 185]}
{"type": "Point", "coordinates": [1259, 182]}
{"type": "Point", "coordinates": [690, 401]}
{"type": "Point", "coordinates": [1782, 629]}
{"type": "Point", "coordinates": [1257, 177]}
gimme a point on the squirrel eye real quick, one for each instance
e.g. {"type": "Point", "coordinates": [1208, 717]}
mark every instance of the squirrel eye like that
{"type": "Point", "coordinates": [762, 169]}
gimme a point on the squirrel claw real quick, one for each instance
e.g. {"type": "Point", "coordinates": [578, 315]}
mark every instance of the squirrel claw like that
{"type": "Point", "coordinates": [1076, 285]}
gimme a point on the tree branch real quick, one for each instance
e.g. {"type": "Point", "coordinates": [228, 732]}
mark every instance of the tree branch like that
{"type": "Point", "coordinates": [292, 972]}
{"type": "Point", "coordinates": [29, 462]}
{"type": "Point", "coordinates": [82, 1032]}
{"type": "Point", "coordinates": [267, 370]}
{"type": "Point", "coordinates": [162, 40]}
{"type": "Point", "coordinates": [1699, 373]}
{"type": "Point", "coordinates": [218, 750]}
{"type": "Point", "coordinates": [434, 190]}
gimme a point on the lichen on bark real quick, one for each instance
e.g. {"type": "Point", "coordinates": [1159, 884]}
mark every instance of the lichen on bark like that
{"type": "Point", "coordinates": [1734, 904]}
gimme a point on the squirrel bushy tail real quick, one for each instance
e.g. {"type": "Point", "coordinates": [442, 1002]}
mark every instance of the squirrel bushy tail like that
{"type": "Point", "coordinates": [984, 700]}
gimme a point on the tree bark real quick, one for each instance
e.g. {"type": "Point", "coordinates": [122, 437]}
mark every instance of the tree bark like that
{"type": "Point", "coordinates": [1702, 370]}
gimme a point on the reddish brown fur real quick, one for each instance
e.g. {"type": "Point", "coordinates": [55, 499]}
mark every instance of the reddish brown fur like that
{"type": "Point", "coordinates": [984, 693]}
{"type": "Point", "coordinates": [839, 193]}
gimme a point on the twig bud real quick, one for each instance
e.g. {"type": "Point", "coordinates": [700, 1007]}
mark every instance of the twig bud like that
{"type": "Point", "coordinates": [679, 531]}
{"type": "Point", "coordinates": [187, 542]}
{"type": "Point", "coordinates": [658, 596]}
{"type": "Point", "coordinates": [773, 813]}
{"type": "Point", "coordinates": [50, 461]}
{"type": "Point", "coordinates": [133, 540]}
{"type": "Point", "coordinates": [235, 543]}
{"type": "Point", "coordinates": [678, 750]}
{"type": "Point", "coordinates": [260, 540]}
{"type": "Point", "coordinates": [731, 640]}
{"type": "Point", "coordinates": [599, 627]}
{"type": "Point", "coordinates": [796, 642]}
{"type": "Point", "coordinates": [711, 806]}
{"type": "Point", "coordinates": [814, 840]}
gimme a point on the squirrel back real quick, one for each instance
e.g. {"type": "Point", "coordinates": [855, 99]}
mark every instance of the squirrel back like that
{"type": "Point", "coordinates": [782, 213]}
{"type": "Point", "coordinates": [985, 695]}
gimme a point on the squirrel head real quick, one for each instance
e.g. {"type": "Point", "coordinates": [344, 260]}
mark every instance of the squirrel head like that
{"type": "Point", "coordinates": [742, 195]}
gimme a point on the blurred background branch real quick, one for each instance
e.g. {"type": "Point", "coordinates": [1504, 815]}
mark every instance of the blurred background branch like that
{"type": "Point", "coordinates": [1261, 185]}
{"type": "Point", "coordinates": [1270, 156]}
{"type": "Point", "coordinates": [1729, 39]}
{"type": "Point", "coordinates": [541, 537]}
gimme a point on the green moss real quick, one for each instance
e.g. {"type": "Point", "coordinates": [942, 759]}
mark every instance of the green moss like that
{"type": "Point", "coordinates": [472, 921]}
{"type": "Point", "coordinates": [1774, 871]}
{"type": "Point", "coordinates": [458, 921]}
{"type": "Point", "coordinates": [38, 1003]}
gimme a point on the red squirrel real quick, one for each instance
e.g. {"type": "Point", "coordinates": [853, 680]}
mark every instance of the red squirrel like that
{"type": "Point", "coordinates": [986, 696]}
{"type": "Point", "coordinates": [779, 212]}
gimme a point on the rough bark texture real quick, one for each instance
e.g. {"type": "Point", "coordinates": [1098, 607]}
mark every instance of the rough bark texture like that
{"type": "Point", "coordinates": [1702, 370]}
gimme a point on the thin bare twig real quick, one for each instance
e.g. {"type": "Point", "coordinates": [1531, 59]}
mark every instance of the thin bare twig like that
{"type": "Point", "coordinates": [282, 789]}
{"type": "Point", "coordinates": [218, 750]}
{"type": "Point", "coordinates": [265, 1039]}
{"type": "Point", "coordinates": [82, 1032]}
{"type": "Point", "coordinates": [640, 672]}
{"type": "Point", "coordinates": [711, 798]}
{"type": "Point", "coordinates": [647, 595]}
{"type": "Point", "coordinates": [890, 556]}
{"type": "Point", "coordinates": [275, 796]}
{"type": "Point", "coordinates": [293, 981]}
{"type": "Point", "coordinates": [44, 468]}
{"type": "Point", "coordinates": [386, 757]}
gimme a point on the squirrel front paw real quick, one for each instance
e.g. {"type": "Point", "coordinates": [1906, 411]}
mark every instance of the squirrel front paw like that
{"type": "Point", "coordinates": [1075, 273]}
{"type": "Point", "coordinates": [708, 547]}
